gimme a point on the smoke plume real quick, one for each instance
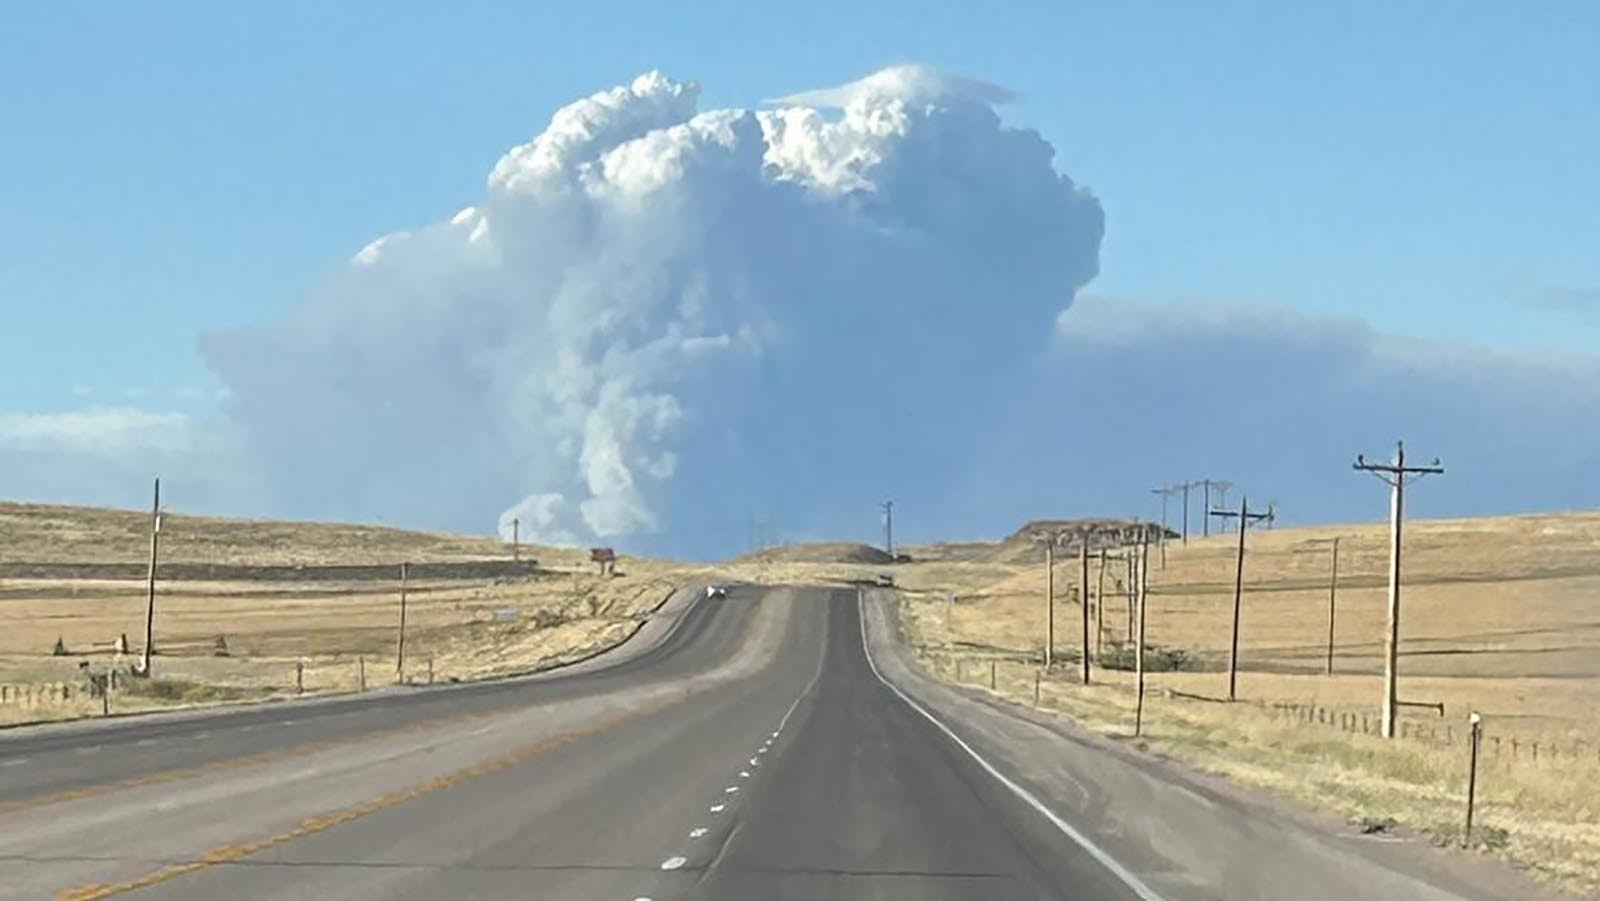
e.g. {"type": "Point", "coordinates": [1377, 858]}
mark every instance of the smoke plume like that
{"type": "Point", "coordinates": [658, 320]}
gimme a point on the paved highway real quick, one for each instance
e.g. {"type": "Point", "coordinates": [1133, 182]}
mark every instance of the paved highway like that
{"type": "Point", "coordinates": [59, 760]}
{"type": "Point", "coordinates": [757, 747]}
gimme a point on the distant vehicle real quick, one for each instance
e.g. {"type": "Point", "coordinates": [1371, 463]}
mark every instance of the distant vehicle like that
{"type": "Point", "coordinates": [716, 590]}
{"type": "Point", "coordinates": [885, 579]}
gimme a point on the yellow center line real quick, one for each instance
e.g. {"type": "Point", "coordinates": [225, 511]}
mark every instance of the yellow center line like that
{"type": "Point", "coordinates": [235, 763]}
{"type": "Point", "coordinates": [237, 850]}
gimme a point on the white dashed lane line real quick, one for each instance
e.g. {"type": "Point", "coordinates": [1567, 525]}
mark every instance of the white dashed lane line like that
{"type": "Point", "coordinates": [718, 808]}
{"type": "Point", "coordinates": [697, 831]}
{"type": "Point", "coordinates": [86, 750]}
{"type": "Point", "coordinates": [673, 863]}
{"type": "Point", "coordinates": [15, 761]}
{"type": "Point", "coordinates": [730, 789]}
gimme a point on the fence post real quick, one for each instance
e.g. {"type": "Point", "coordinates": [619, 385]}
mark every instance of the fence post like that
{"type": "Point", "coordinates": [430, 669]}
{"type": "Point", "coordinates": [299, 677]}
{"type": "Point", "coordinates": [361, 672]}
{"type": "Point", "coordinates": [993, 681]}
{"type": "Point", "coordinates": [1476, 723]}
{"type": "Point", "coordinates": [1036, 688]}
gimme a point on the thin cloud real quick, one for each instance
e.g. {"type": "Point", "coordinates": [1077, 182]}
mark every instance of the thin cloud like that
{"type": "Point", "coordinates": [1568, 298]}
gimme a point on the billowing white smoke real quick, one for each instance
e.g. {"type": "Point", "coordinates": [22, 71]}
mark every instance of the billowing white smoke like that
{"type": "Point", "coordinates": [657, 320]}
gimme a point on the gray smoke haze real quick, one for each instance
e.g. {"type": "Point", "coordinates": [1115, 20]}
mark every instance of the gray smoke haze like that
{"type": "Point", "coordinates": [1280, 402]}
{"type": "Point", "coordinates": [657, 320]}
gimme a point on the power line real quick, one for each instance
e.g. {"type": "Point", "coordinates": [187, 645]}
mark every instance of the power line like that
{"type": "Point", "coordinates": [1394, 474]}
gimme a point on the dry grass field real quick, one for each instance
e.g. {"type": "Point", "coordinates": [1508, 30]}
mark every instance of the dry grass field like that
{"type": "Point", "coordinates": [1500, 615]}
{"type": "Point", "coordinates": [284, 635]}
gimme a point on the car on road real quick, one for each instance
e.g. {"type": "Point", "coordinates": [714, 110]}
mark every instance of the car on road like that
{"type": "Point", "coordinates": [716, 590]}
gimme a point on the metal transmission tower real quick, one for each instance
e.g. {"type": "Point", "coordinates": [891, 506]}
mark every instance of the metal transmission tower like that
{"type": "Point", "coordinates": [1245, 517]}
{"type": "Point", "coordinates": [1395, 474]}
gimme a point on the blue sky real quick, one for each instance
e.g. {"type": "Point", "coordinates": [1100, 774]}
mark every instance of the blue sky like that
{"type": "Point", "coordinates": [170, 169]}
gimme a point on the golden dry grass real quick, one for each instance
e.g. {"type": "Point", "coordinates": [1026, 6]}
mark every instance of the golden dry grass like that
{"type": "Point", "coordinates": [1500, 615]}
{"type": "Point", "coordinates": [465, 628]}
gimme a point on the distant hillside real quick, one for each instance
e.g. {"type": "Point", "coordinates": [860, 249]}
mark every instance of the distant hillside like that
{"type": "Point", "coordinates": [1019, 546]}
{"type": "Point", "coordinates": [952, 551]}
{"type": "Point", "coordinates": [818, 552]}
{"type": "Point", "coordinates": [51, 534]}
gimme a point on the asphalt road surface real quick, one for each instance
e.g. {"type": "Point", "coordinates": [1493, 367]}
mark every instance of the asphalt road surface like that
{"type": "Point", "coordinates": [56, 761]}
{"type": "Point", "coordinates": [761, 749]}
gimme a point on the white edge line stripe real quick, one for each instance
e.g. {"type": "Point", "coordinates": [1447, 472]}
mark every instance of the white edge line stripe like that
{"type": "Point", "coordinates": [1095, 851]}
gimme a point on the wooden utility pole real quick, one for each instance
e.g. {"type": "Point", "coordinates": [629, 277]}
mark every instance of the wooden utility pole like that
{"type": "Point", "coordinates": [1222, 486]}
{"type": "Point", "coordinates": [1129, 562]}
{"type": "Point", "coordinates": [1184, 532]}
{"type": "Point", "coordinates": [1394, 475]}
{"type": "Point", "coordinates": [1138, 652]}
{"type": "Point", "coordinates": [1245, 517]}
{"type": "Point", "coordinates": [1474, 737]}
{"type": "Point", "coordinates": [150, 583]}
{"type": "Point", "coordinates": [888, 529]}
{"type": "Point", "coordinates": [400, 640]}
{"type": "Point", "coordinates": [1333, 591]}
{"type": "Point", "coordinates": [1100, 605]}
{"type": "Point", "coordinates": [1083, 595]}
{"type": "Point", "coordinates": [1166, 491]}
{"type": "Point", "coordinates": [1049, 603]}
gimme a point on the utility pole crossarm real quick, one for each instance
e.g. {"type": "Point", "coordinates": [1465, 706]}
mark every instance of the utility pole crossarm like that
{"type": "Point", "coordinates": [1252, 515]}
{"type": "Point", "coordinates": [1395, 474]}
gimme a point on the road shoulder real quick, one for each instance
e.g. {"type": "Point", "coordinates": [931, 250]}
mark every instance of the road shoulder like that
{"type": "Point", "coordinates": [1186, 834]}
